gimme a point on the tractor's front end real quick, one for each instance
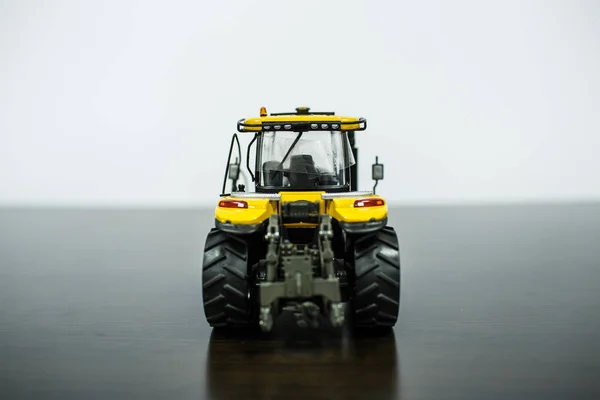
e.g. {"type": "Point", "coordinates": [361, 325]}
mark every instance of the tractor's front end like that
{"type": "Point", "coordinates": [305, 240]}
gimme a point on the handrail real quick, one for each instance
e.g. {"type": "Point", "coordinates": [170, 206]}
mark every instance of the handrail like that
{"type": "Point", "coordinates": [234, 138]}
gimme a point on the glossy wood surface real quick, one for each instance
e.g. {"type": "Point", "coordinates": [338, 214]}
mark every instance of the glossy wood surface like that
{"type": "Point", "coordinates": [497, 303]}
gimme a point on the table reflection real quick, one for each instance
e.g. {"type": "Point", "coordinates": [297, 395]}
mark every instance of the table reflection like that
{"type": "Point", "coordinates": [294, 363]}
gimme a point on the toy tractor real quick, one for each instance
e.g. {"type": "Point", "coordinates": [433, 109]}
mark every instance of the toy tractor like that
{"type": "Point", "coordinates": [305, 240]}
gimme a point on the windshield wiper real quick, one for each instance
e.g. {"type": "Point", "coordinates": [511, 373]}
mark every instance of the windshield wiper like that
{"type": "Point", "coordinates": [291, 147]}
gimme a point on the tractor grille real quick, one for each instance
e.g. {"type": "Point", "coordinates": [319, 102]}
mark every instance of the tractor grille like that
{"type": "Point", "coordinates": [300, 211]}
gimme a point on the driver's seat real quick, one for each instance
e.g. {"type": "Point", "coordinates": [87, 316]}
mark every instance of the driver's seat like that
{"type": "Point", "coordinates": [302, 172]}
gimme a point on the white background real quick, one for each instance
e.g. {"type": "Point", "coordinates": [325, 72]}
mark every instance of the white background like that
{"type": "Point", "coordinates": [134, 102]}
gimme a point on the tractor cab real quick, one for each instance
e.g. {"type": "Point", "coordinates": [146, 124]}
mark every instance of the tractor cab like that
{"type": "Point", "coordinates": [313, 160]}
{"type": "Point", "coordinates": [301, 151]}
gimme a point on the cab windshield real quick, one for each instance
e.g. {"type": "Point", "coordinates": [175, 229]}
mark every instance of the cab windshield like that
{"type": "Point", "coordinates": [304, 160]}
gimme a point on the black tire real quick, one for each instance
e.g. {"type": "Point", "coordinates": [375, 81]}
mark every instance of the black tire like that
{"type": "Point", "coordinates": [227, 287]}
{"type": "Point", "coordinates": [375, 258]}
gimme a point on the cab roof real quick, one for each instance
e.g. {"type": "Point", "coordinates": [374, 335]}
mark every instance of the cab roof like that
{"type": "Point", "coordinates": [300, 121]}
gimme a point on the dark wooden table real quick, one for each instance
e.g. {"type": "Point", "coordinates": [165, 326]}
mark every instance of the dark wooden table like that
{"type": "Point", "coordinates": [497, 303]}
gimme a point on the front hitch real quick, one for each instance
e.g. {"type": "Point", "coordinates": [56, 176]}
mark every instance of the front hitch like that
{"type": "Point", "coordinates": [306, 314]}
{"type": "Point", "coordinates": [300, 284]}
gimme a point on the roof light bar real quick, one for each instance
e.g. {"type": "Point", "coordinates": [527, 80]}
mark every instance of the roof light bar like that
{"type": "Point", "coordinates": [298, 125]}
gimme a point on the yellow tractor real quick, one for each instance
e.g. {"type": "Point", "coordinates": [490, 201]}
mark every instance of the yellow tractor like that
{"type": "Point", "coordinates": [305, 241]}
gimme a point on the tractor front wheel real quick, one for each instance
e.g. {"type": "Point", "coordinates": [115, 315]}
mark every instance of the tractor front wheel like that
{"type": "Point", "coordinates": [375, 258]}
{"type": "Point", "coordinates": [227, 288]}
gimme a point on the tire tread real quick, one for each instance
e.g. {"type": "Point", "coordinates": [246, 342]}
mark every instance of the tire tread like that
{"type": "Point", "coordinates": [376, 296]}
{"type": "Point", "coordinates": [225, 280]}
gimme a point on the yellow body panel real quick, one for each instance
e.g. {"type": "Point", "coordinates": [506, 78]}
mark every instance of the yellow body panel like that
{"type": "Point", "coordinates": [258, 210]}
{"type": "Point", "coordinates": [343, 210]}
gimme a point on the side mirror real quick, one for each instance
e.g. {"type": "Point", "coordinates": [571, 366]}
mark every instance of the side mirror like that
{"type": "Point", "coordinates": [234, 173]}
{"type": "Point", "coordinates": [377, 172]}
